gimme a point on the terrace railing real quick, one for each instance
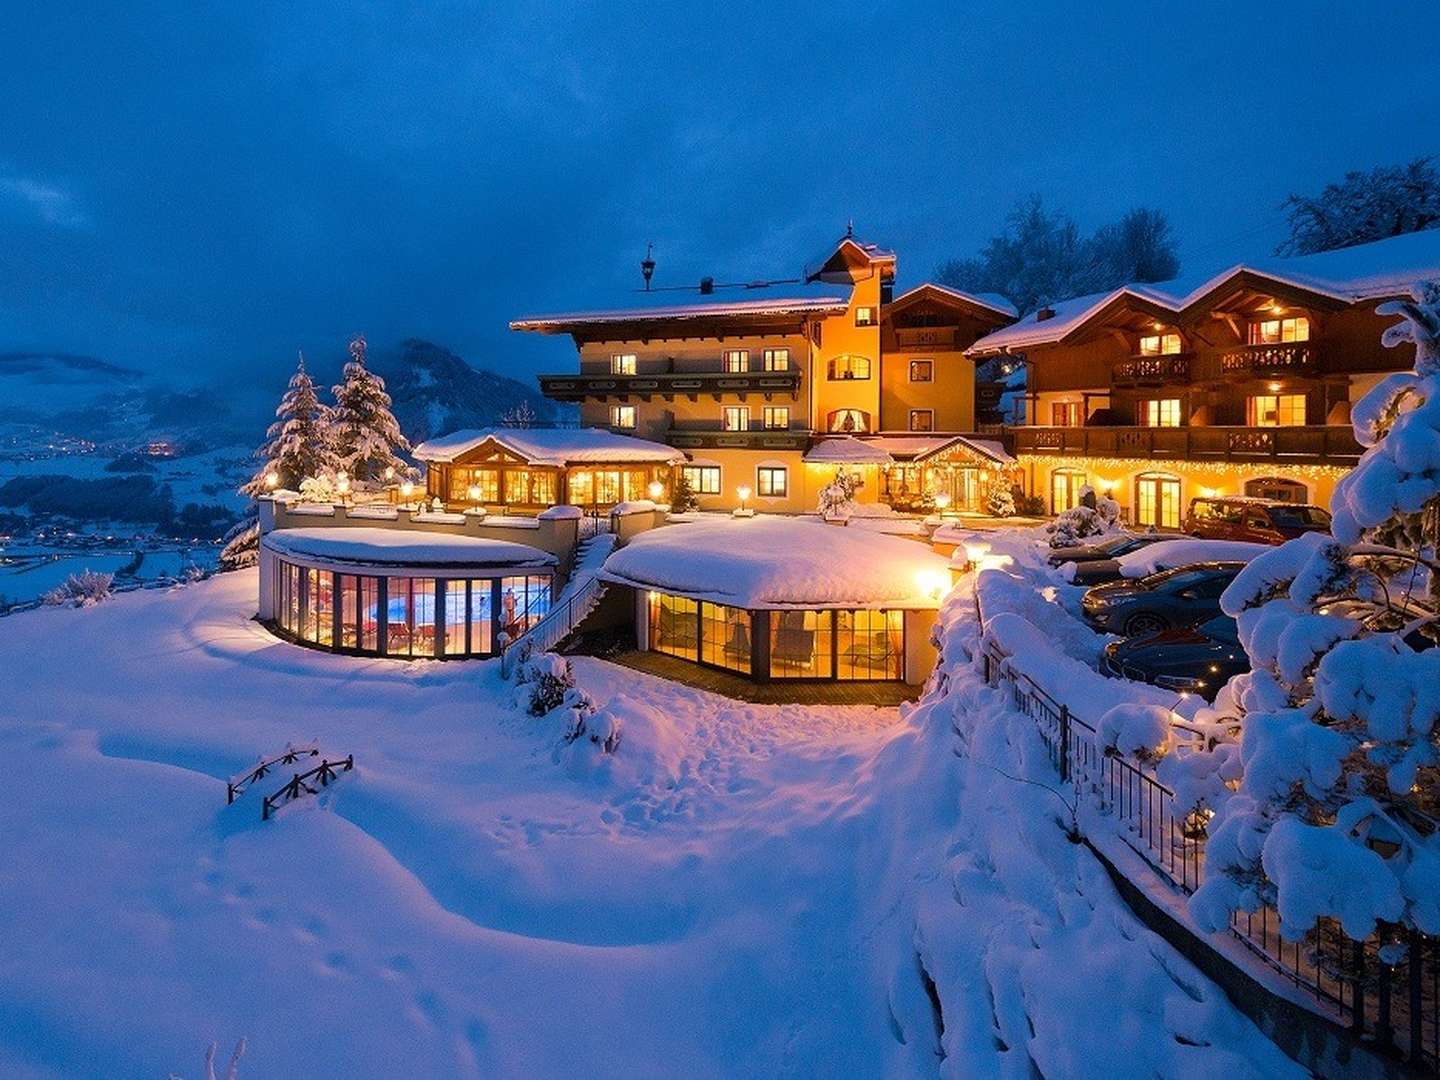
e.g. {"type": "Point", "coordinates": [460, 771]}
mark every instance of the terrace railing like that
{"type": "Point", "coordinates": [1392, 1003]}
{"type": "Point", "coordinates": [558, 624]}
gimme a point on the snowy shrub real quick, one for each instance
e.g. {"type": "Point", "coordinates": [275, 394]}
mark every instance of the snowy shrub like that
{"type": "Point", "coordinates": [1000, 501]}
{"type": "Point", "coordinates": [1138, 731]}
{"type": "Point", "coordinates": [1078, 524]}
{"type": "Point", "coordinates": [548, 684]}
{"type": "Point", "coordinates": [1334, 813]}
{"type": "Point", "coordinates": [837, 498]}
{"type": "Point", "coordinates": [602, 728]}
{"type": "Point", "coordinates": [319, 489]}
{"type": "Point", "coordinates": [81, 590]}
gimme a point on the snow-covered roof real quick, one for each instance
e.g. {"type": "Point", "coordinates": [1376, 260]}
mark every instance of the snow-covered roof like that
{"type": "Point", "coordinates": [917, 447]}
{"type": "Point", "coordinates": [994, 301]}
{"type": "Point", "coordinates": [403, 547]}
{"type": "Point", "coordinates": [796, 305]}
{"type": "Point", "coordinates": [847, 450]}
{"type": "Point", "coordinates": [1348, 275]}
{"type": "Point", "coordinates": [771, 561]}
{"type": "Point", "coordinates": [551, 446]}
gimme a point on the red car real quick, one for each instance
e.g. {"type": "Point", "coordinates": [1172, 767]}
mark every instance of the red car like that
{"type": "Point", "coordinates": [1259, 521]}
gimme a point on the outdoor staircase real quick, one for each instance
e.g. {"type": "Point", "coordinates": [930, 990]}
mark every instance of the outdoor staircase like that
{"type": "Point", "coordinates": [581, 595]}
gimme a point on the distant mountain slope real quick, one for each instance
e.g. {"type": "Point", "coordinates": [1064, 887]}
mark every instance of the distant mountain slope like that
{"type": "Point", "coordinates": [434, 391]}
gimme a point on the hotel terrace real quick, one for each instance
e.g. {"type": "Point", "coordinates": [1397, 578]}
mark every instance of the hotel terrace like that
{"type": "Point", "coordinates": [1239, 384]}
{"type": "Point", "coordinates": [768, 399]}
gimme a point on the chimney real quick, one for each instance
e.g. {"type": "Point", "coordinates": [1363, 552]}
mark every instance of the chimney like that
{"type": "Point", "coordinates": [1046, 312]}
{"type": "Point", "coordinates": [707, 286]}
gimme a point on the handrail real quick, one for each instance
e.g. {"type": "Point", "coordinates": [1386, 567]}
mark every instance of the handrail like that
{"type": "Point", "coordinates": [560, 620]}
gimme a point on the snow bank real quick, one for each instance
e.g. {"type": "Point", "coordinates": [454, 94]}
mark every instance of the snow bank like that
{"type": "Point", "coordinates": [1168, 554]}
{"type": "Point", "coordinates": [778, 561]}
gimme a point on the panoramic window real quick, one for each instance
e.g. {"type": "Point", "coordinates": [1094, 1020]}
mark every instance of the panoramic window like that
{"type": "Point", "coordinates": [524, 601]}
{"type": "Point", "coordinates": [777, 359]}
{"type": "Point", "coordinates": [922, 370]}
{"type": "Point", "coordinates": [869, 645]}
{"type": "Point", "coordinates": [864, 316]}
{"type": "Point", "coordinates": [1276, 331]}
{"type": "Point", "coordinates": [1275, 410]}
{"type": "Point", "coordinates": [843, 368]}
{"type": "Point", "coordinates": [1159, 344]}
{"type": "Point", "coordinates": [800, 645]}
{"type": "Point", "coordinates": [1164, 412]}
{"type": "Point", "coordinates": [623, 364]}
{"type": "Point", "coordinates": [725, 636]}
{"type": "Point", "coordinates": [622, 416]}
{"type": "Point", "coordinates": [922, 419]}
{"type": "Point", "coordinates": [737, 360]}
{"type": "Point", "coordinates": [736, 418]}
{"type": "Point", "coordinates": [703, 479]}
{"type": "Point", "coordinates": [474, 485]}
{"type": "Point", "coordinates": [674, 626]}
{"type": "Point", "coordinates": [777, 417]}
{"type": "Point", "coordinates": [771, 481]}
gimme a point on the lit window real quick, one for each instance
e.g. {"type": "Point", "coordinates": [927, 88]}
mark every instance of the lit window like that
{"type": "Point", "coordinates": [849, 367]}
{"type": "Point", "coordinates": [1157, 500]}
{"type": "Point", "coordinates": [1277, 331]}
{"type": "Point", "coordinates": [737, 418]}
{"type": "Point", "coordinates": [737, 361]}
{"type": "Point", "coordinates": [864, 316]}
{"type": "Point", "coordinates": [922, 370]}
{"type": "Point", "coordinates": [1162, 413]}
{"type": "Point", "coordinates": [703, 479]}
{"type": "Point", "coordinates": [623, 364]}
{"type": "Point", "coordinates": [922, 419]}
{"type": "Point", "coordinates": [777, 359]}
{"type": "Point", "coordinates": [622, 416]}
{"type": "Point", "coordinates": [1159, 344]}
{"type": "Point", "coordinates": [771, 481]}
{"type": "Point", "coordinates": [777, 417]}
{"type": "Point", "coordinates": [1065, 485]}
{"type": "Point", "coordinates": [474, 485]}
{"type": "Point", "coordinates": [849, 420]}
{"type": "Point", "coordinates": [1066, 414]}
{"type": "Point", "coordinates": [1275, 410]}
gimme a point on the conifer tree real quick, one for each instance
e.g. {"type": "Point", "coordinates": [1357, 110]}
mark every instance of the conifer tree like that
{"type": "Point", "coordinates": [297, 443]}
{"type": "Point", "coordinates": [365, 433]}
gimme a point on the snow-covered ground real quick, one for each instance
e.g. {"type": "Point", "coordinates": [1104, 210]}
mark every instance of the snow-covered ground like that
{"type": "Point", "coordinates": [741, 890]}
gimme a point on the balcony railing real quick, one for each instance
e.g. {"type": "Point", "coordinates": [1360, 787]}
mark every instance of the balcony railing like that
{"type": "Point", "coordinates": [1296, 356]}
{"type": "Point", "coordinates": [1308, 445]}
{"type": "Point", "coordinates": [1155, 370]}
{"type": "Point", "coordinates": [755, 438]}
{"type": "Point", "coordinates": [579, 387]}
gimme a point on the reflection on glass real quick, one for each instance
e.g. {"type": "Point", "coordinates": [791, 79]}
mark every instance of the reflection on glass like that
{"type": "Point", "coordinates": [725, 636]}
{"type": "Point", "coordinates": [800, 645]}
{"type": "Point", "coordinates": [349, 612]}
{"type": "Point", "coordinates": [673, 626]}
{"type": "Point", "coordinates": [480, 625]}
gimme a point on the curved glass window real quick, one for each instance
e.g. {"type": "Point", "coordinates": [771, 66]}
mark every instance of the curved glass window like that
{"type": "Point", "coordinates": [405, 616]}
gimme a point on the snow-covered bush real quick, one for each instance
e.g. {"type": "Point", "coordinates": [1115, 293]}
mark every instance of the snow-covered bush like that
{"type": "Point", "coordinates": [837, 498]}
{"type": "Point", "coordinates": [1138, 731]}
{"type": "Point", "coordinates": [602, 728]}
{"type": "Point", "coordinates": [319, 488]}
{"type": "Point", "coordinates": [1092, 517]}
{"type": "Point", "coordinates": [545, 682]}
{"type": "Point", "coordinates": [1000, 501]}
{"type": "Point", "coordinates": [242, 545]}
{"type": "Point", "coordinates": [81, 590]}
{"type": "Point", "coordinates": [1334, 816]}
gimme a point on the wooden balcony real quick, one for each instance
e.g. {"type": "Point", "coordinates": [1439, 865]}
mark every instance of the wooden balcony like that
{"type": "Point", "coordinates": [600, 387]}
{"type": "Point", "coordinates": [1151, 370]}
{"type": "Point", "coordinates": [1313, 444]}
{"type": "Point", "coordinates": [1261, 360]}
{"type": "Point", "coordinates": [713, 438]}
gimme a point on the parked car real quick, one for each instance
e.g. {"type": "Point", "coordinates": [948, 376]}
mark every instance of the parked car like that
{"type": "Point", "coordinates": [1185, 596]}
{"type": "Point", "coordinates": [1260, 521]}
{"type": "Point", "coordinates": [1107, 547]}
{"type": "Point", "coordinates": [1169, 552]}
{"type": "Point", "coordinates": [1193, 659]}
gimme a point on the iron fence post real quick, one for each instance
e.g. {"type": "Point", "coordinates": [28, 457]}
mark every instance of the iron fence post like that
{"type": "Point", "coordinates": [1064, 744]}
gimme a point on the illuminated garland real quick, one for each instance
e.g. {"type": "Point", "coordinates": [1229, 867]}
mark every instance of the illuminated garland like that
{"type": "Point", "coordinates": [1232, 468]}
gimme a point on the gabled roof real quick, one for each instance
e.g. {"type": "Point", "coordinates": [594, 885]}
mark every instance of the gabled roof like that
{"type": "Point", "coordinates": [918, 448]}
{"type": "Point", "coordinates": [990, 303]}
{"type": "Point", "coordinates": [550, 446]}
{"type": "Point", "coordinates": [1350, 275]}
{"type": "Point", "coordinates": [833, 265]}
{"type": "Point", "coordinates": [568, 322]}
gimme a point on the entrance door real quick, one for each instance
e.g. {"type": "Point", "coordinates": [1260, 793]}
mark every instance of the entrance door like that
{"type": "Point", "coordinates": [1157, 500]}
{"type": "Point", "coordinates": [1065, 485]}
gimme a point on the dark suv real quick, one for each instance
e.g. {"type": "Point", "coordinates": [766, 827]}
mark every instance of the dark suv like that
{"type": "Point", "coordinates": [1185, 596]}
{"type": "Point", "coordinates": [1260, 521]}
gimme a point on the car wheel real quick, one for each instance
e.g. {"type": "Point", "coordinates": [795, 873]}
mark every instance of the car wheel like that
{"type": "Point", "coordinates": [1144, 623]}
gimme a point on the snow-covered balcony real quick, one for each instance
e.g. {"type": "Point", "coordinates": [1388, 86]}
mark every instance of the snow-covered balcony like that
{"type": "Point", "coordinates": [1309, 444]}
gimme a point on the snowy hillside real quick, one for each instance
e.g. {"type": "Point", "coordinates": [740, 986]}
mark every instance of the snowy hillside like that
{"type": "Point", "coordinates": [739, 890]}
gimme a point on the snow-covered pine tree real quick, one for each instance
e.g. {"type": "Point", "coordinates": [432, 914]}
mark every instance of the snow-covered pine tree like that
{"type": "Point", "coordinates": [682, 495]}
{"type": "Point", "coordinates": [1000, 500]}
{"type": "Point", "coordinates": [365, 433]}
{"type": "Point", "coordinates": [297, 443]}
{"type": "Point", "coordinates": [1335, 813]}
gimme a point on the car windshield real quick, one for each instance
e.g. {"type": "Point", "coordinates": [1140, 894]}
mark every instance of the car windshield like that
{"type": "Point", "coordinates": [1300, 517]}
{"type": "Point", "coordinates": [1221, 628]}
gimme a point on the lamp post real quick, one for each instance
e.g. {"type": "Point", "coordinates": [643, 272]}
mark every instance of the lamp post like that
{"type": "Point", "coordinates": [342, 486]}
{"type": "Point", "coordinates": [744, 495]}
{"type": "Point", "coordinates": [272, 480]}
{"type": "Point", "coordinates": [657, 490]}
{"type": "Point", "coordinates": [406, 490]}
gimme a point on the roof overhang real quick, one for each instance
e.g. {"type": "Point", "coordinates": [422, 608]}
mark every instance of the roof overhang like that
{"type": "Point", "coordinates": [950, 298]}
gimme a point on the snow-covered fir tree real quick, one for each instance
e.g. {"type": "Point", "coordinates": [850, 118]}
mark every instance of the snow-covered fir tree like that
{"type": "Point", "coordinates": [1000, 500]}
{"type": "Point", "coordinates": [682, 496]}
{"type": "Point", "coordinates": [1335, 813]}
{"type": "Point", "coordinates": [365, 433]}
{"type": "Point", "coordinates": [837, 498]}
{"type": "Point", "coordinates": [297, 443]}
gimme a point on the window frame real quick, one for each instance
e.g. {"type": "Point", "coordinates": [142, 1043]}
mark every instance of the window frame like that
{"type": "Point", "coordinates": [770, 413]}
{"type": "Point", "coordinates": [929, 424]}
{"type": "Point", "coordinates": [619, 411]}
{"type": "Point", "coordinates": [698, 483]}
{"type": "Point", "coordinates": [835, 373]}
{"type": "Point", "coordinates": [735, 361]}
{"type": "Point", "coordinates": [929, 369]}
{"type": "Point", "coordinates": [776, 358]}
{"type": "Point", "coordinates": [726, 411]}
{"type": "Point", "coordinates": [866, 315]}
{"type": "Point", "coordinates": [1162, 339]}
{"type": "Point", "coordinates": [1255, 333]}
{"type": "Point", "coordinates": [765, 478]}
{"type": "Point", "coordinates": [1153, 413]}
{"type": "Point", "coordinates": [623, 363]}
{"type": "Point", "coordinates": [1254, 413]}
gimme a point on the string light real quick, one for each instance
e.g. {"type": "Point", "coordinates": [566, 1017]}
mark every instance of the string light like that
{"type": "Point", "coordinates": [1226, 468]}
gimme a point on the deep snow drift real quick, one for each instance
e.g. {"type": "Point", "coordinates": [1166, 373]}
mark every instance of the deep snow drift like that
{"type": "Point", "coordinates": [741, 890]}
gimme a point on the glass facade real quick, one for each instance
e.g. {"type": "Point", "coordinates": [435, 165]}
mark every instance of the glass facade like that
{"type": "Point", "coordinates": [405, 616]}
{"type": "Point", "coordinates": [839, 644]}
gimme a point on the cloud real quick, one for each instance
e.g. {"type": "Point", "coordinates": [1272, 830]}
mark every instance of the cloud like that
{"type": "Point", "coordinates": [52, 205]}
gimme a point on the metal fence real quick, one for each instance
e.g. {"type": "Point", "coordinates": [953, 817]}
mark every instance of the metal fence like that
{"type": "Point", "coordinates": [1393, 1004]}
